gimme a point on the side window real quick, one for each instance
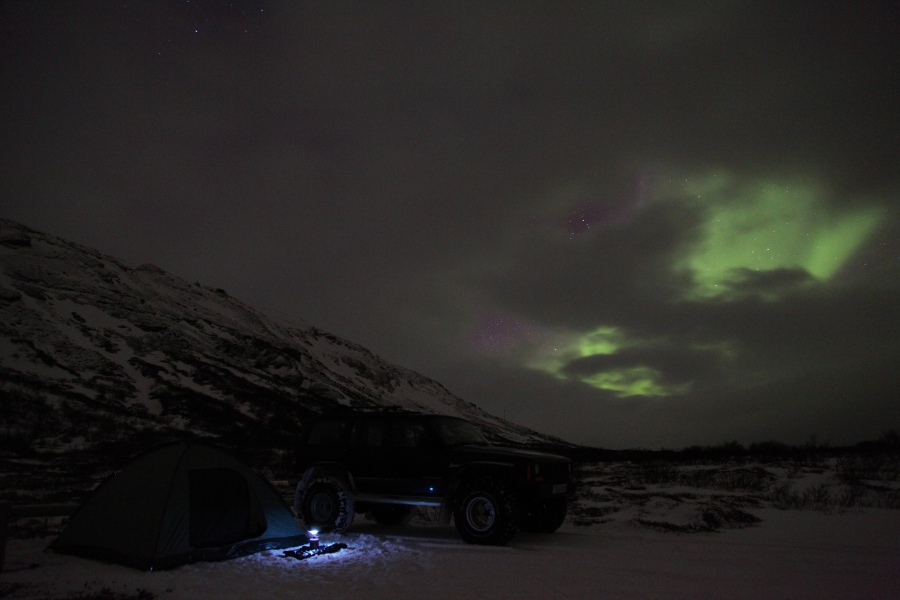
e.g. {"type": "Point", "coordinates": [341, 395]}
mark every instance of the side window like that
{"type": "Point", "coordinates": [409, 434]}
{"type": "Point", "coordinates": [368, 433]}
{"type": "Point", "coordinates": [327, 433]}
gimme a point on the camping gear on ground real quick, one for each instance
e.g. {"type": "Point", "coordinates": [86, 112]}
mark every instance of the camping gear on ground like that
{"type": "Point", "coordinates": [178, 504]}
{"type": "Point", "coordinates": [309, 551]}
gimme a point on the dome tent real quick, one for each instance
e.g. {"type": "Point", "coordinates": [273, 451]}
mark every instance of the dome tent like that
{"type": "Point", "coordinates": [178, 504]}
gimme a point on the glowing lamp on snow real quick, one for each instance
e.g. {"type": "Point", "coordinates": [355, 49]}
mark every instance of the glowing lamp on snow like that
{"type": "Point", "coordinates": [313, 538]}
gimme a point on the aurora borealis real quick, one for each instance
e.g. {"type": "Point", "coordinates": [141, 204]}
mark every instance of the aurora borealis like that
{"type": "Point", "coordinates": [769, 226]}
{"type": "Point", "coordinates": [760, 240]}
{"type": "Point", "coordinates": [626, 224]}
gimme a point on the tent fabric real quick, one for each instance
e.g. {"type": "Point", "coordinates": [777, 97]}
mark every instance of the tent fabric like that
{"type": "Point", "coordinates": [178, 504]}
{"type": "Point", "coordinates": [220, 510]}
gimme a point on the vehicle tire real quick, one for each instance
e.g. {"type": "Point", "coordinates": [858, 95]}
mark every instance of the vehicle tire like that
{"type": "Point", "coordinates": [328, 505]}
{"type": "Point", "coordinates": [484, 513]}
{"type": "Point", "coordinates": [391, 514]}
{"type": "Point", "coordinates": [544, 517]}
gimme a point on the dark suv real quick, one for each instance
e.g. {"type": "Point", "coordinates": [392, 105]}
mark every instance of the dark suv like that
{"type": "Point", "coordinates": [386, 463]}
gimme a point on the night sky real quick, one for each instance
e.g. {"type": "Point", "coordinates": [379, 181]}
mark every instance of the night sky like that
{"type": "Point", "coordinates": [628, 224]}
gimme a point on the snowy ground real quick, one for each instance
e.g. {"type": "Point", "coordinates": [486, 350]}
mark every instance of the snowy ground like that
{"type": "Point", "coordinates": [635, 531]}
{"type": "Point", "coordinates": [790, 554]}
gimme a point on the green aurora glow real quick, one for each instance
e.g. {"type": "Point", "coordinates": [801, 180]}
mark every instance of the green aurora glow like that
{"type": "Point", "coordinates": [766, 226]}
{"type": "Point", "coordinates": [760, 226]}
{"type": "Point", "coordinates": [636, 380]}
{"type": "Point", "coordinates": [633, 381]}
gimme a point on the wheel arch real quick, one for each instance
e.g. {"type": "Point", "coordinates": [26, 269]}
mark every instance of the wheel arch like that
{"type": "Point", "coordinates": [484, 512]}
{"type": "Point", "coordinates": [314, 472]}
{"type": "Point", "coordinates": [496, 471]}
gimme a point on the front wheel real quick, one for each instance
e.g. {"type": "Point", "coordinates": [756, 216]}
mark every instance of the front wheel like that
{"type": "Point", "coordinates": [328, 505]}
{"type": "Point", "coordinates": [484, 514]}
{"type": "Point", "coordinates": [544, 517]}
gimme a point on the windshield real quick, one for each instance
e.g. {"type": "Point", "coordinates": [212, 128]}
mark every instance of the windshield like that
{"type": "Point", "coordinates": [456, 432]}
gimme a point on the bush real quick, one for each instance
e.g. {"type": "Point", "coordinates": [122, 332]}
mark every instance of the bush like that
{"type": "Point", "coordinates": [108, 594]}
{"type": "Point", "coordinates": [868, 467]}
{"type": "Point", "coordinates": [785, 497]}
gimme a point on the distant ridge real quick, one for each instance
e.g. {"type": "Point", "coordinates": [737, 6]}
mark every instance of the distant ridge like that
{"type": "Point", "coordinates": [93, 352]}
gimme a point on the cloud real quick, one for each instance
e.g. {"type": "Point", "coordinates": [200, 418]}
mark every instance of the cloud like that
{"type": "Point", "coordinates": [676, 366]}
{"type": "Point", "coordinates": [768, 284]}
{"type": "Point", "coordinates": [676, 302]}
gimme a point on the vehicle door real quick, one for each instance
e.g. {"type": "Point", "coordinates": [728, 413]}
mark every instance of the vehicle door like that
{"type": "Point", "coordinates": [366, 454]}
{"type": "Point", "coordinates": [416, 457]}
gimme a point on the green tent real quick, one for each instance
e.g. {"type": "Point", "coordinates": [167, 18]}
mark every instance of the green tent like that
{"type": "Point", "coordinates": [178, 504]}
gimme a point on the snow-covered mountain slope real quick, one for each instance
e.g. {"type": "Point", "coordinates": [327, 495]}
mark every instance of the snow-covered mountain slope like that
{"type": "Point", "coordinates": [93, 350]}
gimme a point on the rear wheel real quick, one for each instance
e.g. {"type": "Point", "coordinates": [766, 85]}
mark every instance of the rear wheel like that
{"type": "Point", "coordinates": [328, 505]}
{"type": "Point", "coordinates": [391, 514]}
{"type": "Point", "coordinates": [544, 517]}
{"type": "Point", "coordinates": [484, 513]}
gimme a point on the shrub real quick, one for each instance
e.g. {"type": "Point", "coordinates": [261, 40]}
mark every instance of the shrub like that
{"type": "Point", "coordinates": [868, 467]}
{"type": "Point", "coordinates": [108, 594]}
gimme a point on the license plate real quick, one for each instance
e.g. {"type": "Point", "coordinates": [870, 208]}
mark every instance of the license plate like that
{"type": "Point", "coordinates": [559, 488]}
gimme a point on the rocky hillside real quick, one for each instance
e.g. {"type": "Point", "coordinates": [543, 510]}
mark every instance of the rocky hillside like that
{"type": "Point", "coordinates": [94, 352]}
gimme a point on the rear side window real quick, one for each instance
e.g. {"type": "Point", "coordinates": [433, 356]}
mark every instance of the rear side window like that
{"type": "Point", "coordinates": [368, 433]}
{"type": "Point", "coordinates": [410, 434]}
{"type": "Point", "coordinates": [327, 433]}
